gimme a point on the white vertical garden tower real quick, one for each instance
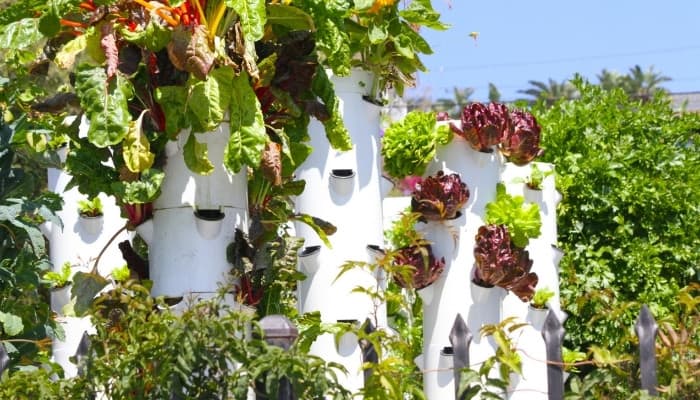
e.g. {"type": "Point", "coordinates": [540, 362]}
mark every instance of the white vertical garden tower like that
{"type": "Point", "coordinates": [344, 189]}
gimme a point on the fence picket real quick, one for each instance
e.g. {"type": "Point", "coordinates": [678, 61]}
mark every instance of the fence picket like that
{"type": "Point", "coordinates": [4, 358]}
{"type": "Point", "coordinates": [460, 338]}
{"type": "Point", "coordinates": [369, 353]}
{"type": "Point", "coordinates": [553, 334]}
{"type": "Point", "coordinates": [646, 329]}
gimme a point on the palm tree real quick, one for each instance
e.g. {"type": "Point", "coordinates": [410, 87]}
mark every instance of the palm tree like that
{"type": "Point", "coordinates": [609, 80]}
{"type": "Point", "coordinates": [643, 84]}
{"type": "Point", "coordinates": [494, 94]}
{"type": "Point", "coordinates": [550, 92]}
{"type": "Point", "coordinates": [453, 106]}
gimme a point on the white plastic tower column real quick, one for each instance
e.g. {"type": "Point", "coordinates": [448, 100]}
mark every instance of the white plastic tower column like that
{"type": "Point", "coordinates": [343, 188]}
{"type": "Point", "coordinates": [184, 259]}
{"type": "Point", "coordinates": [451, 293]}
{"type": "Point", "coordinates": [78, 244]}
{"type": "Point", "coordinates": [545, 255]}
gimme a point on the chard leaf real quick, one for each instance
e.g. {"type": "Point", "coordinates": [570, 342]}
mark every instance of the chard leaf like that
{"type": "Point", "coordinates": [145, 190]}
{"type": "Point", "coordinates": [421, 12]}
{"type": "Point", "coordinates": [105, 104]}
{"type": "Point", "coordinates": [252, 17]}
{"type": "Point", "coordinates": [153, 37]}
{"type": "Point", "coordinates": [11, 324]}
{"type": "Point", "coordinates": [85, 287]}
{"type": "Point", "coordinates": [196, 157]}
{"type": "Point", "coordinates": [137, 148]}
{"type": "Point", "coordinates": [248, 135]}
{"type": "Point", "coordinates": [65, 58]}
{"type": "Point", "coordinates": [20, 35]}
{"type": "Point", "coordinates": [322, 228]}
{"type": "Point", "coordinates": [290, 17]}
{"type": "Point", "coordinates": [338, 136]}
{"type": "Point", "coordinates": [173, 102]}
{"type": "Point", "coordinates": [210, 98]}
{"type": "Point", "coordinates": [251, 14]}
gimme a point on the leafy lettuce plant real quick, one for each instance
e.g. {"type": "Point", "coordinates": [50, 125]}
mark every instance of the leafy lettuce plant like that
{"type": "Point", "coordinates": [409, 145]}
{"type": "Point", "coordinates": [522, 220]}
{"type": "Point", "coordinates": [483, 126]}
{"type": "Point", "coordinates": [499, 262]}
{"type": "Point", "coordinates": [440, 197]}
{"type": "Point", "coordinates": [425, 268]}
{"type": "Point", "coordinates": [521, 144]}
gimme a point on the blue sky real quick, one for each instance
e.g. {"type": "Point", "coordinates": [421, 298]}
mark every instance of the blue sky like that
{"type": "Point", "coordinates": [520, 41]}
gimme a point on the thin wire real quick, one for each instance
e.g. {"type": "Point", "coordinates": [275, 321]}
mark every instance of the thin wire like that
{"type": "Point", "coordinates": [565, 60]}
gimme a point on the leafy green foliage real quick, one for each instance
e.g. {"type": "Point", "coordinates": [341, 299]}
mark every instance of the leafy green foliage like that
{"type": "Point", "coordinates": [248, 135]}
{"type": "Point", "coordinates": [105, 103]}
{"type": "Point", "coordinates": [157, 355]}
{"type": "Point", "coordinates": [541, 297]}
{"type": "Point", "coordinates": [90, 207]}
{"type": "Point", "coordinates": [61, 278]}
{"type": "Point", "coordinates": [629, 174]}
{"type": "Point", "coordinates": [522, 220]}
{"type": "Point", "coordinates": [409, 145]}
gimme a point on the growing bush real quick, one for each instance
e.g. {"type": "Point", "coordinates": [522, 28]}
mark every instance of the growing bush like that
{"type": "Point", "coordinates": [629, 221]}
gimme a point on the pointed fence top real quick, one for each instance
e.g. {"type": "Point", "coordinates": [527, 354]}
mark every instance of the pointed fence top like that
{"type": "Point", "coordinates": [646, 324]}
{"type": "Point", "coordinates": [4, 358]}
{"type": "Point", "coordinates": [553, 326]}
{"type": "Point", "coordinates": [459, 330]}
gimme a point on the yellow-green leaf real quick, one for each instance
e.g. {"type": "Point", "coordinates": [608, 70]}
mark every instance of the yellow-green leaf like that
{"type": "Point", "coordinates": [137, 148]}
{"type": "Point", "coordinates": [196, 156]}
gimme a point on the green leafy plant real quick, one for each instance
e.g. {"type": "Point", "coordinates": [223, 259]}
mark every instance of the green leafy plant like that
{"type": "Point", "coordinates": [121, 274]}
{"type": "Point", "coordinates": [541, 298]}
{"type": "Point", "coordinates": [506, 361]}
{"type": "Point", "coordinates": [522, 220]}
{"type": "Point", "coordinates": [409, 145]}
{"type": "Point", "coordinates": [61, 278]}
{"type": "Point", "coordinates": [143, 73]}
{"type": "Point", "coordinates": [90, 207]}
{"type": "Point", "coordinates": [536, 177]}
{"type": "Point", "coordinates": [380, 36]}
{"type": "Point", "coordinates": [159, 355]}
{"type": "Point", "coordinates": [628, 221]}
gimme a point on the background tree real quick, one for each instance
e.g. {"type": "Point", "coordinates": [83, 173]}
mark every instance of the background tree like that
{"type": "Point", "coordinates": [551, 91]}
{"type": "Point", "coordinates": [642, 84]}
{"type": "Point", "coordinates": [494, 94]}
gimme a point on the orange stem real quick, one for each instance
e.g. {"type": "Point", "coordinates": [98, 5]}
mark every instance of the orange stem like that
{"type": "Point", "coordinates": [72, 24]}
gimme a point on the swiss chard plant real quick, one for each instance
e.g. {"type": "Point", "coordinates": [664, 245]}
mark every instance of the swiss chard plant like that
{"type": "Point", "coordinates": [440, 197]}
{"type": "Point", "coordinates": [143, 73]}
{"type": "Point", "coordinates": [410, 144]}
{"type": "Point", "coordinates": [379, 36]}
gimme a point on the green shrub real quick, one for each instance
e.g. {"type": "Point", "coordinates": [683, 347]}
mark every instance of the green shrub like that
{"type": "Point", "coordinates": [629, 221]}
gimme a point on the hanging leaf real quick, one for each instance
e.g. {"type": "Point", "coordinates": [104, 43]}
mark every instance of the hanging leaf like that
{"type": "Point", "coordinates": [248, 136]}
{"type": "Point", "coordinates": [85, 288]}
{"type": "Point", "coordinates": [338, 136]}
{"type": "Point", "coordinates": [105, 103]}
{"type": "Point", "coordinates": [196, 157]}
{"type": "Point", "coordinates": [173, 102]}
{"type": "Point", "coordinates": [137, 148]}
{"type": "Point", "coordinates": [210, 98]}
{"type": "Point", "coordinates": [11, 324]}
{"type": "Point", "coordinates": [142, 191]}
